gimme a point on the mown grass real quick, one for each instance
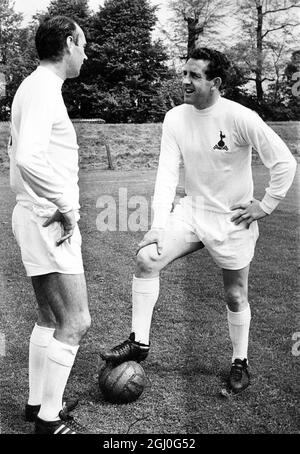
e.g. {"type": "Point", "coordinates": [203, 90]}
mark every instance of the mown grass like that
{"type": "Point", "coordinates": [190, 351]}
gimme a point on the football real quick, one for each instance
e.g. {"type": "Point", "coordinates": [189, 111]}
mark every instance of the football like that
{"type": "Point", "coordinates": [123, 383]}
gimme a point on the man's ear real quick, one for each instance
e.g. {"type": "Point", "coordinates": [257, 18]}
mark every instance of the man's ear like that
{"type": "Point", "coordinates": [70, 42]}
{"type": "Point", "coordinates": [217, 82]}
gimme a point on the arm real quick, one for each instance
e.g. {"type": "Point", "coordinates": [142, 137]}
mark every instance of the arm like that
{"type": "Point", "coordinates": [37, 117]}
{"type": "Point", "coordinates": [276, 157]}
{"type": "Point", "coordinates": [167, 175]}
{"type": "Point", "coordinates": [165, 186]}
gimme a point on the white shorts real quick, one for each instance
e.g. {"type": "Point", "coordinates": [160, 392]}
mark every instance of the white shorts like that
{"type": "Point", "coordinates": [40, 255]}
{"type": "Point", "coordinates": [231, 246]}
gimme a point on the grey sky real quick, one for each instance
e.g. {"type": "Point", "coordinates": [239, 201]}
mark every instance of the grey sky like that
{"type": "Point", "coordinates": [30, 7]}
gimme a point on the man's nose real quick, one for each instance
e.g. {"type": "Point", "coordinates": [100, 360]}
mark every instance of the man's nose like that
{"type": "Point", "coordinates": [186, 80]}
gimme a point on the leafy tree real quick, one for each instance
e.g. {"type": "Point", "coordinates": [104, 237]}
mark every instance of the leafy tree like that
{"type": "Point", "coordinates": [268, 28]}
{"type": "Point", "coordinates": [195, 21]}
{"type": "Point", "coordinates": [290, 87]}
{"type": "Point", "coordinates": [16, 58]}
{"type": "Point", "coordinates": [76, 9]}
{"type": "Point", "coordinates": [127, 68]}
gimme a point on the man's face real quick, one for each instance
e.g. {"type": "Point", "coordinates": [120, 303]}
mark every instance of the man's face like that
{"type": "Point", "coordinates": [76, 54]}
{"type": "Point", "coordinates": [196, 87]}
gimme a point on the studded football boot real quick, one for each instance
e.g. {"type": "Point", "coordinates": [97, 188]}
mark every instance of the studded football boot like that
{"type": "Point", "coordinates": [130, 350]}
{"type": "Point", "coordinates": [31, 411]}
{"type": "Point", "coordinates": [66, 425]}
{"type": "Point", "coordinates": [239, 377]}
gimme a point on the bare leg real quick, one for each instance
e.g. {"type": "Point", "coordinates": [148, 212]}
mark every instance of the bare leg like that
{"type": "Point", "coordinates": [239, 317]}
{"type": "Point", "coordinates": [64, 297]}
{"type": "Point", "coordinates": [145, 288]}
{"type": "Point", "coordinates": [236, 288]}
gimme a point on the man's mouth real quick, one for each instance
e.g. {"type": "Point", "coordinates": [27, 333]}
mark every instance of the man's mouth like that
{"type": "Point", "coordinates": [188, 91]}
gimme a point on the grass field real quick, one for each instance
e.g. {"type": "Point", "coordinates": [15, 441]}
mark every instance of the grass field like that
{"type": "Point", "coordinates": [191, 350]}
{"type": "Point", "coordinates": [133, 146]}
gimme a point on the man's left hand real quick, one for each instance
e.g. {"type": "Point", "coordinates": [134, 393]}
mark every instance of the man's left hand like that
{"type": "Point", "coordinates": [68, 223]}
{"type": "Point", "coordinates": [247, 212]}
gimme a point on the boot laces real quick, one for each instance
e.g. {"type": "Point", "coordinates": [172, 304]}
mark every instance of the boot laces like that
{"type": "Point", "coordinates": [122, 348]}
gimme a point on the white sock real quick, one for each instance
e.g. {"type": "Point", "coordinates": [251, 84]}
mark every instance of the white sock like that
{"type": "Point", "coordinates": [39, 341]}
{"type": "Point", "coordinates": [239, 324]}
{"type": "Point", "coordinates": [144, 296]}
{"type": "Point", "coordinates": [59, 362]}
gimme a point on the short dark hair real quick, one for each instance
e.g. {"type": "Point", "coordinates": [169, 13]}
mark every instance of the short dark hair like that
{"type": "Point", "coordinates": [219, 65]}
{"type": "Point", "coordinates": [51, 35]}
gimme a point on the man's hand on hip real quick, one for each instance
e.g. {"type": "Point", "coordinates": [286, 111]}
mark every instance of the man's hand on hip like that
{"type": "Point", "coordinates": [247, 212]}
{"type": "Point", "coordinates": [151, 237]}
{"type": "Point", "coordinates": [68, 223]}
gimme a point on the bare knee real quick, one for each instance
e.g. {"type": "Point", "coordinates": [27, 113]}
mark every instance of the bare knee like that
{"type": "Point", "coordinates": [236, 298]}
{"type": "Point", "coordinates": [147, 262]}
{"type": "Point", "coordinates": [83, 324]}
{"type": "Point", "coordinates": [74, 327]}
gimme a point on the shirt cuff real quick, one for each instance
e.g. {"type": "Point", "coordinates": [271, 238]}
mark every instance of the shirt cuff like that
{"type": "Point", "coordinates": [63, 204]}
{"type": "Point", "coordinates": [269, 203]}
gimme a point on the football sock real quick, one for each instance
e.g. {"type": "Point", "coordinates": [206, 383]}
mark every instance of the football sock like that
{"type": "Point", "coordinates": [144, 296]}
{"type": "Point", "coordinates": [59, 362]}
{"type": "Point", "coordinates": [39, 341]}
{"type": "Point", "coordinates": [239, 324]}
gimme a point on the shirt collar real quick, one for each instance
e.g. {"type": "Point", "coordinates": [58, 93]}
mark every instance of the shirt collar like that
{"type": "Point", "coordinates": [51, 74]}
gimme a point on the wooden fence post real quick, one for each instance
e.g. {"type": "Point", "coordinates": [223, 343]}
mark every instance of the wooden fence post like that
{"type": "Point", "coordinates": [110, 163]}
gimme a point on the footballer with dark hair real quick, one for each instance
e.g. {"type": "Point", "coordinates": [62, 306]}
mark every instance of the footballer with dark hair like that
{"type": "Point", "coordinates": [214, 137]}
{"type": "Point", "coordinates": [44, 176]}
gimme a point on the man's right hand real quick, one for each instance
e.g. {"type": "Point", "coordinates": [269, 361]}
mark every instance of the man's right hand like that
{"type": "Point", "coordinates": [68, 222]}
{"type": "Point", "coordinates": [151, 237]}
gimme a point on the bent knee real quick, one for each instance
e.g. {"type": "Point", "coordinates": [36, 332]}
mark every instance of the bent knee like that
{"type": "Point", "coordinates": [236, 298]}
{"type": "Point", "coordinates": [148, 261]}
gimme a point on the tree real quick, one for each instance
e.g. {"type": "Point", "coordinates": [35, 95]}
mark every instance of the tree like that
{"type": "Point", "coordinates": [16, 59]}
{"type": "Point", "coordinates": [75, 9]}
{"type": "Point", "coordinates": [291, 86]}
{"type": "Point", "coordinates": [267, 29]}
{"type": "Point", "coordinates": [127, 67]}
{"type": "Point", "coordinates": [194, 21]}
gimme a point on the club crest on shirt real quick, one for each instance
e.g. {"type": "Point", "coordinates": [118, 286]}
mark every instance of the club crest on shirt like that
{"type": "Point", "coordinates": [221, 144]}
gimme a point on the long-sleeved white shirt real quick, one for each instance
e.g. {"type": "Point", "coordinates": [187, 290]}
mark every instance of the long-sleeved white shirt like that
{"type": "Point", "coordinates": [215, 145]}
{"type": "Point", "coordinates": [44, 150]}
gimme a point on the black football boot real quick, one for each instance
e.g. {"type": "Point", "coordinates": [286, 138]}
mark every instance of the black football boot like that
{"type": "Point", "coordinates": [130, 350]}
{"type": "Point", "coordinates": [239, 378]}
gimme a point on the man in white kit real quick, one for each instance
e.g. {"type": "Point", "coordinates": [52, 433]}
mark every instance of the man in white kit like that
{"type": "Point", "coordinates": [44, 176]}
{"type": "Point", "coordinates": [214, 138]}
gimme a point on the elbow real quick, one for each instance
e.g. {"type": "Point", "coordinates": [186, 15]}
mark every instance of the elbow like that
{"type": "Point", "coordinates": [294, 165]}
{"type": "Point", "coordinates": [24, 166]}
{"type": "Point", "coordinates": [292, 168]}
{"type": "Point", "coordinates": [21, 163]}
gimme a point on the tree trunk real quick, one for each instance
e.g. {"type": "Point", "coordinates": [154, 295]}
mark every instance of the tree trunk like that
{"type": "Point", "coordinates": [259, 51]}
{"type": "Point", "coordinates": [194, 30]}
